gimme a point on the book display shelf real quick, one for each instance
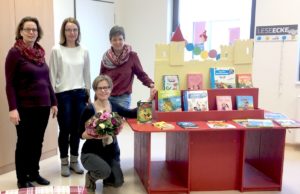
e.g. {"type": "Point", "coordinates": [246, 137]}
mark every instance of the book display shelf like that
{"type": "Point", "coordinates": [206, 159]}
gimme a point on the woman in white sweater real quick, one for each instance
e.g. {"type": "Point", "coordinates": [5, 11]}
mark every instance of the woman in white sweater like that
{"type": "Point", "coordinates": [70, 77]}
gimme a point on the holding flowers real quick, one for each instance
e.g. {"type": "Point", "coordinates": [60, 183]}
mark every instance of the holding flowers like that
{"type": "Point", "coordinates": [99, 124]}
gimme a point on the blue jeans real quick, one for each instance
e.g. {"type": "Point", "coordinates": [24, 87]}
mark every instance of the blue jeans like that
{"type": "Point", "coordinates": [124, 100]}
{"type": "Point", "coordinates": [70, 106]}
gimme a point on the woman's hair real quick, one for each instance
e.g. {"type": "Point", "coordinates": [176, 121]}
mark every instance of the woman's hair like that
{"type": "Point", "coordinates": [63, 40]}
{"type": "Point", "coordinates": [116, 31]}
{"type": "Point", "coordinates": [101, 78]}
{"type": "Point", "coordinates": [21, 26]}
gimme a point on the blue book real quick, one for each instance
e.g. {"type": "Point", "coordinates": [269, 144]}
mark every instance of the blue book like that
{"type": "Point", "coordinates": [260, 123]}
{"type": "Point", "coordinates": [186, 125]}
{"type": "Point", "coordinates": [222, 77]}
{"type": "Point", "coordinates": [195, 100]}
{"type": "Point", "coordinates": [244, 103]}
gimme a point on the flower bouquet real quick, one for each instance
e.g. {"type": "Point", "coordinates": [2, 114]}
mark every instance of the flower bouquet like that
{"type": "Point", "coordinates": [103, 124]}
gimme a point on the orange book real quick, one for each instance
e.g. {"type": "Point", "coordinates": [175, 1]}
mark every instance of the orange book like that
{"type": "Point", "coordinates": [244, 80]}
{"type": "Point", "coordinates": [194, 81]}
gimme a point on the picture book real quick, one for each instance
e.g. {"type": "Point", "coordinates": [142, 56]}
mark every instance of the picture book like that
{"type": "Point", "coordinates": [219, 124]}
{"type": "Point", "coordinates": [242, 122]}
{"type": "Point", "coordinates": [144, 112]}
{"type": "Point", "coordinates": [287, 123]}
{"type": "Point", "coordinates": [194, 81]}
{"type": "Point", "coordinates": [244, 102]}
{"type": "Point", "coordinates": [222, 77]}
{"type": "Point", "coordinates": [260, 123]}
{"type": "Point", "coordinates": [163, 125]}
{"type": "Point", "coordinates": [187, 125]}
{"type": "Point", "coordinates": [171, 82]}
{"type": "Point", "coordinates": [274, 115]}
{"type": "Point", "coordinates": [195, 100]}
{"type": "Point", "coordinates": [169, 100]}
{"type": "Point", "coordinates": [224, 103]}
{"type": "Point", "coordinates": [244, 80]}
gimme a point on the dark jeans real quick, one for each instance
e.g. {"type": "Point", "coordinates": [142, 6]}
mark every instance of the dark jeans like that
{"type": "Point", "coordinates": [70, 106]}
{"type": "Point", "coordinates": [30, 132]}
{"type": "Point", "coordinates": [124, 100]}
{"type": "Point", "coordinates": [99, 168]}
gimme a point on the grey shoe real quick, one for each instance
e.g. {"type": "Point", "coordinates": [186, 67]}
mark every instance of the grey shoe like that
{"type": "Point", "coordinates": [90, 183]}
{"type": "Point", "coordinates": [65, 168]}
{"type": "Point", "coordinates": [75, 166]}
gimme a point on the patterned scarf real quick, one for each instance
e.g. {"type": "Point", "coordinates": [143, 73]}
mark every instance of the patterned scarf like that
{"type": "Point", "coordinates": [111, 60]}
{"type": "Point", "coordinates": [36, 53]}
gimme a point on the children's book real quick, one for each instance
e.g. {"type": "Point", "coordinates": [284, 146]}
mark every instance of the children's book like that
{"type": "Point", "coordinates": [242, 122]}
{"type": "Point", "coordinates": [194, 81]}
{"type": "Point", "coordinates": [224, 103]}
{"type": "Point", "coordinates": [244, 102]}
{"type": "Point", "coordinates": [244, 80]}
{"type": "Point", "coordinates": [169, 100]}
{"type": "Point", "coordinates": [144, 112]}
{"type": "Point", "coordinates": [260, 123]}
{"type": "Point", "coordinates": [219, 124]}
{"type": "Point", "coordinates": [287, 123]}
{"type": "Point", "coordinates": [163, 125]}
{"type": "Point", "coordinates": [195, 100]}
{"type": "Point", "coordinates": [274, 115]}
{"type": "Point", "coordinates": [222, 77]}
{"type": "Point", "coordinates": [171, 82]}
{"type": "Point", "coordinates": [187, 125]}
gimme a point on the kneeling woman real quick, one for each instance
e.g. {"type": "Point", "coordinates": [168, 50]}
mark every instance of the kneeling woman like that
{"type": "Point", "coordinates": [102, 159]}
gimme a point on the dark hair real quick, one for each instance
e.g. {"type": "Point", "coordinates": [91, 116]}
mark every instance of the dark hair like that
{"type": "Point", "coordinates": [63, 40]}
{"type": "Point", "coordinates": [116, 31]}
{"type": "Point", "coordinates": [21, 25]}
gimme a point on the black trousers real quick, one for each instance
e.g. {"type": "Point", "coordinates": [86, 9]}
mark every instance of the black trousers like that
{"type": "Point", "coordinates": [30, 133]}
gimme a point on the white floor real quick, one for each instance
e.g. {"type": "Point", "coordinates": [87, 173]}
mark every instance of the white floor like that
{"type": "Point", "coordinates": [50, 168]}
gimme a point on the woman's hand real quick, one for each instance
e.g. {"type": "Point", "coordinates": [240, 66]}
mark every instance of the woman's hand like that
{"type": "Point", "coordinates": [14, 117]}
{"type": "Point", "coordinates": [54, 111]}
{"type": "Point", "coordinates": [153, 92]}
{"type": "Point", "coordinates": [87, 136]}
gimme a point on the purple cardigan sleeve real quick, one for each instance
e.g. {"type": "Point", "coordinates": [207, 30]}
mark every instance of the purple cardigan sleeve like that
{"type": "Point", "coordinates": [139, 72]}
{"type": "Point", "coordinates": [10, 73]}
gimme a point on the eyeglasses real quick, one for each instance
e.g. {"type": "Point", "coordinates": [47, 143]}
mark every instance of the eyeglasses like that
{"type": "Point", "coordinates": [71, 30]}
{"type": "Point", "coordinates": [104, 88]}
{"type": "Point", "coordinates": [34, 30]}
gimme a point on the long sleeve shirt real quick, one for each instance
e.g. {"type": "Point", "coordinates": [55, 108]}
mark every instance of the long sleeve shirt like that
{"type": "Point", "coordinates": [123, 75]}
{"type": "Point", "coordinates": [27, 84]}
{"type": "Point", "coordinates": [69, 68]}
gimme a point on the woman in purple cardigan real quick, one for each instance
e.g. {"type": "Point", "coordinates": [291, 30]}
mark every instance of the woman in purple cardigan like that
{"type": "Point", "coordinates": [30, 98]}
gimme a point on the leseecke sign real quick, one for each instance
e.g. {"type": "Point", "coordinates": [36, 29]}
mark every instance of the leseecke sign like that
{"type": "Point", "coordinates": [276, 33]}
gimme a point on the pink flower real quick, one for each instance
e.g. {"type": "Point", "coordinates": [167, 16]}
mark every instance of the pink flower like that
{"type": "Point", "coordinates": [105, 116]}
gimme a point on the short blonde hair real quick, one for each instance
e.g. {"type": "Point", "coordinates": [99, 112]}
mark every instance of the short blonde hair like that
{"type": "Point", "coordinates": [63, 40]}
{"type": "Point", "coordinates": [101, 78]}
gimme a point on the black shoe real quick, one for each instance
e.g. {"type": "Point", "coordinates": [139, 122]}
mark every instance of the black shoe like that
{"type": "Point", "coordinates": [40, 180]}
{"type": "Point", "coordinates": [111, 184]}
{"type": "Point", "coordinates": [25, 184]}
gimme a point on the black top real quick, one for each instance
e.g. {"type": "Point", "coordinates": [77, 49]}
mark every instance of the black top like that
{"type": "Point", "coordinates": [95, 146]}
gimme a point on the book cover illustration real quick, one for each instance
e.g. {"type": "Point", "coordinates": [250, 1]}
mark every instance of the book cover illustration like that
{"type": "Point", "coordinates": [144, 112]}
{"type": "Point", "coordinates": [187, 125]}
{"type": "Point", "coordinates": [274, 115]}
{"type": "Point", "coordinates": [260, 123]}
{"type": "Point", "coordinates": [219, 124]}
{"type": "Point", "coordinates": [244, 102]}
{"type": "Point", "coordinates": [242, 122]}
{"type": "Point", "coordinates": [171, 82]}
{"type": "Point", "coordinates": [194, 81]}
{"type": "Point", "coordinates": [287, 123]}
{"type": "Point", "coordinates": [223, 77]}
{"type": "Point", "coordinates": [244, 80]}
{"type": "Point", "coordinates": [224, 103]}
{"type": "Point", "coordinates": [195, 100]}
{"type": "Point", "coordinates": [169, 100]}
{"type": "Point", "coordinates": [163, 125]}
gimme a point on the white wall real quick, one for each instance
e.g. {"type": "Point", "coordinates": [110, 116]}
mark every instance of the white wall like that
{"type": "Point", "coordinates": [146, 23]}
{"type": "Point", "coordinates": [275, 64]}
{"type": "Point", "coordinates": [62, 10]}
